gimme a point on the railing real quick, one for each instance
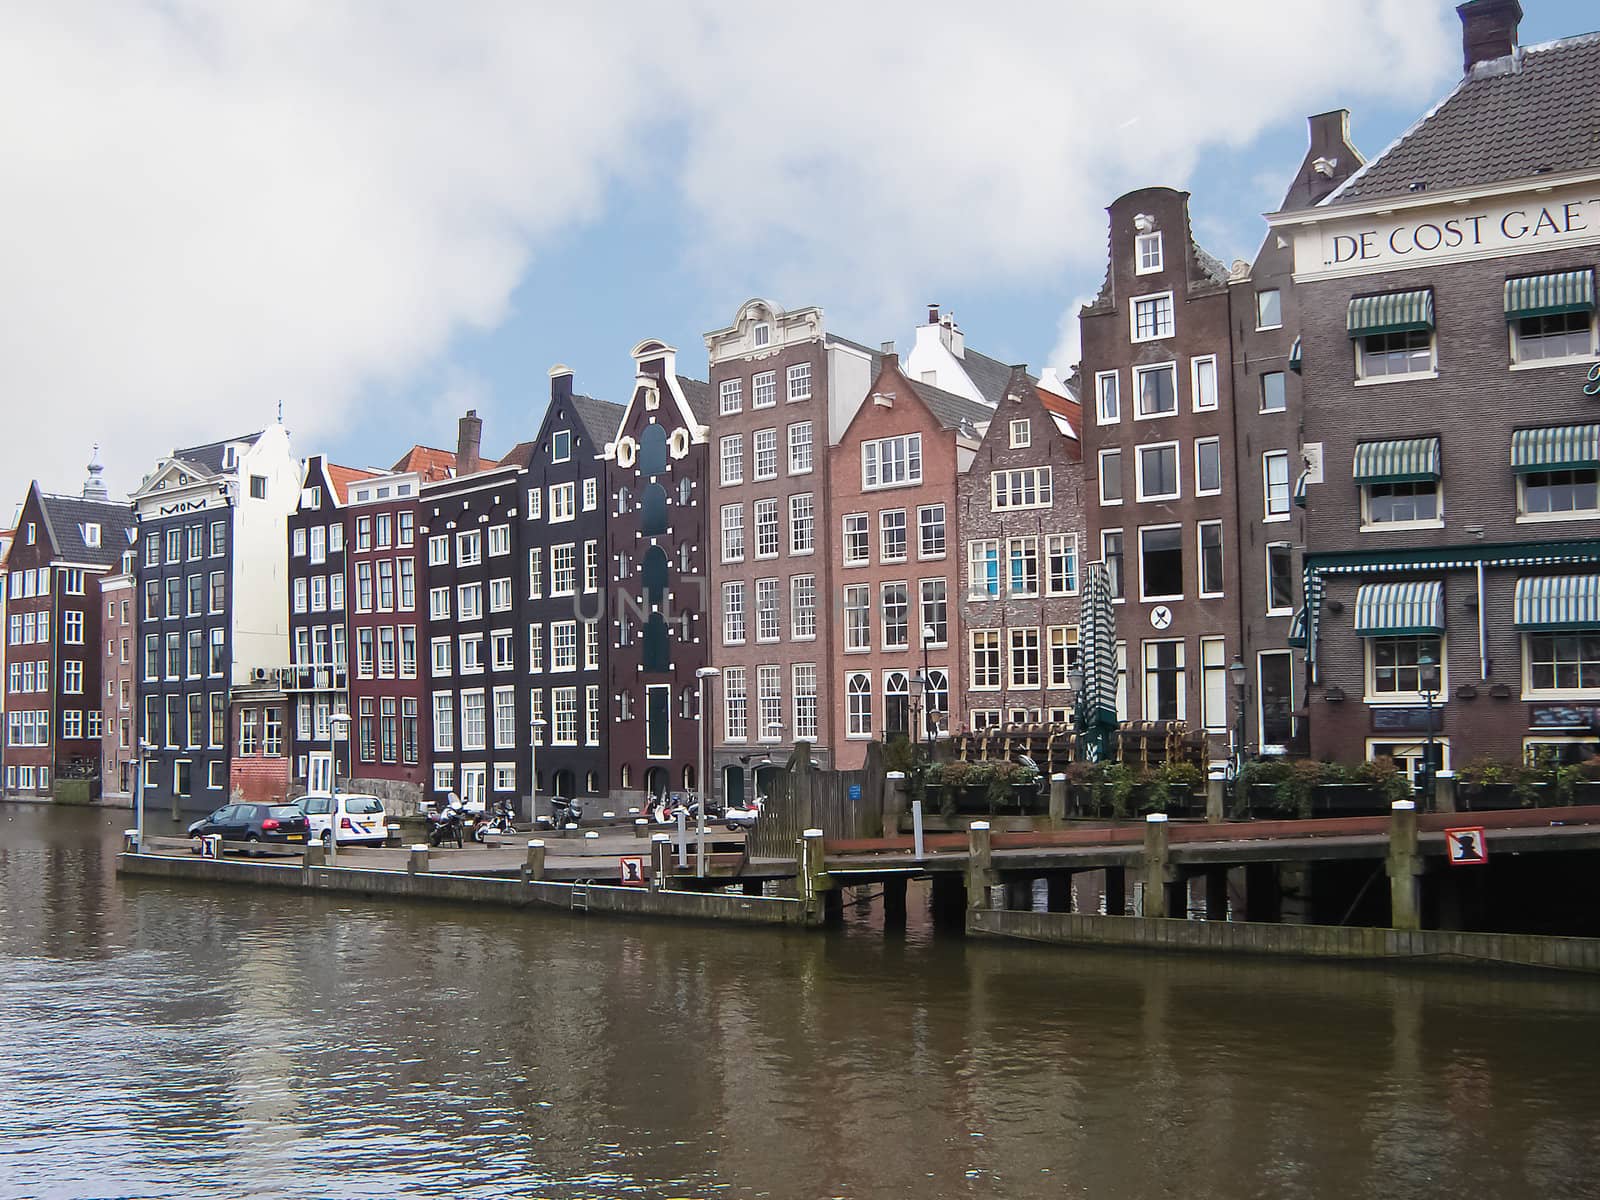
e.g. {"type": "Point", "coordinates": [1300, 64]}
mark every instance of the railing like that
{"type": "Point", "coordinates": [313, 678]}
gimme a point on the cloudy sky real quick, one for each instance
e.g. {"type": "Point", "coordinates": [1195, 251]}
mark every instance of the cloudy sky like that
{"type": "Point", "coordinates": [379, 214]}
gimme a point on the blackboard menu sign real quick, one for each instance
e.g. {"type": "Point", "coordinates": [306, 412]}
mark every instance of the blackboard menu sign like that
{"type": "Point", "coordinates": [1405, 720]}
{"type": "Point", "coordinates": [1565, 716]}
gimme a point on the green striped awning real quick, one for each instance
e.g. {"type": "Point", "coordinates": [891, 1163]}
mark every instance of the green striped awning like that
{"type": "Point", "coordinates": [1297, 630]}
{"type": "Point", "coordinates": [1383, 609]}
{"type": "Point", "coordinates": [1407, 461]}
{"type": "Point", "coordinates": [1297, 356]}
{"type": "Point", "coordinates": [1558, 602]}
{"type": "Point", "coordinates": [1561, 447]}
{"type": "Point", "coordinates": [1393, 312]}
{"type": "Point", "coordinates": [1542, 295]}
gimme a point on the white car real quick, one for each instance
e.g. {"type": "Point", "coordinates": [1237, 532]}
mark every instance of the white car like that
{"type": "Point", "coordinates": [354, 819]}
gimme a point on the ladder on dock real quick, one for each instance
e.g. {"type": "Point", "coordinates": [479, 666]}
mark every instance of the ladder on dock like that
{"type": "Point", "coordinates": [580, 896]}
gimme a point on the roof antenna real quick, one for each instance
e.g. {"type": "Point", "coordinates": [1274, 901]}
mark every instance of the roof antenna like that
{"type": "Point", "coordinates": [280, 410]}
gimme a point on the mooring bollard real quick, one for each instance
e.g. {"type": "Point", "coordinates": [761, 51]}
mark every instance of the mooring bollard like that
{"type": "Point", "coordinates": [812, 865]}
{"type": "Point", "coordinates": [610, 816]}
{"type": "Point", "coordinates": [641, 828]}
{"type": "Point", "coordinates": [1404, 867]}
{"type": "Point", "coordinates": [418, 863]}
{"type": "Point", "coordinates": [569, 830]}
{"type": "Point", "coordinates": [1058, 798]}
{"type": "Point", "coordinates": [1444, 791]}
{"type": "Point", "coordinates": [980, 864]}
{"type": "Point", "coordinates": [1155, 865]}
{"type": "Point", "coordinates": [535, 864]}
{"type": "Point", "coordinates": [894, 802]}
{"type": "Point", "coordinates": [660, 861]}
{"type": "Point", "coordinates": [1214, 797]}
{"type": "Point", "coordinates": [315, 856]}
{"type": "Point", "coordinates": [130, 841]}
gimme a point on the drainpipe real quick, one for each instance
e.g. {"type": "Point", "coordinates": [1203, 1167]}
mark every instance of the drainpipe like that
{"type": "Point", "coordinates": [1483, 640]}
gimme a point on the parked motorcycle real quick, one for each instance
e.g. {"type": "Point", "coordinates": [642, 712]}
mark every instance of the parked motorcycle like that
{"type": "Point", "coordinates": [499, 819]}
{"type": "Point", "coordinates": [447, 824]}
{"type": "Point", "coordinates": [563, 812]}
{"type": "Point", "coordinates": [742, 816]}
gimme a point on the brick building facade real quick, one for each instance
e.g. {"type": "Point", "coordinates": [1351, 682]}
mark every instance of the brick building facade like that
{"type": "Point", "coordinates": [782, 386]}
{"type": "Point", "coordinates": [1448, 314]}
{"type": "Point", "coordinates": [118, 681]}
{"type": "Point", "coordinates": [1158, 442]}
{"type": "Point", "coordinates": [1020, 517]}
{"type": "Point", "coordinates": [894, 551]}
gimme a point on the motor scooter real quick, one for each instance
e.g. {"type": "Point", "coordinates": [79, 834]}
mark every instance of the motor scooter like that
{"type": "Point", "coordinates": [563, 812]}
{"type": "Point", "coordinates": [447, 824]}
{"type": "Point", "coordinates": [499, 819]}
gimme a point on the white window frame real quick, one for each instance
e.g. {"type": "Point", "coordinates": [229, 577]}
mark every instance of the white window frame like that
{"type": "Point", "coordinates": [1282, 610]}
{"type": "Point", "coordinates": [798, 444]}
{"type": "Point", "coordinates": [1260, 292]}
{"type": "Point", "coordinates": [1198, 443]}
{"type": "Point", "coordinates": [1362, 379]}
{"type": "Point", "coordinates": [1139, 372]}
{"type": "Point", "coordinates": [1145, 597]}
{"type": "Point", "coordinates": [1021, 433]}
{"type": "Point", "coordinates": [1152, 298]}
{"type": "Point", "coordinates": [1108, 414]}
{"type": "Point", "coordinates": [1267, 458]}
{"type": "Point", "coordinates": [1147, 241]}
{"type": "Point", "coordinates": [1370, 694]}
{"type": "Point", "coordinates": [1368, 525]}
{"type": "Point", "coordinates": [1198, 367]}
{"type": "Point", "coordinates": [1200, 562]}
{"type": "Point", "coordinates": [1177, 471]}
{"type": "Point", "coordinates": [1100, 476]}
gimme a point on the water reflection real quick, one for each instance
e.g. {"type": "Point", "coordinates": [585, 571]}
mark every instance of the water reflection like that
{"type": "Point", "coordinates": [167, 1039]}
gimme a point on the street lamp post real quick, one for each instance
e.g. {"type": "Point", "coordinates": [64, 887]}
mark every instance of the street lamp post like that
{"type": "Point", "coordinates": [146, 747]}
{"type": "Point", "coordinates": [1075, 685]}
{"type": "Point", "coordinates": [927, 693]}
{"type": "Point", "coordinates": [700, 677]}
{"type": "Point", "coordinates": [1236, 672]}
{"type": "Point", "coordinates": [336, 722]}
{"type": "Point", "coordinates": [1428, 685]}
{"type": "Point", "coordinates": [535, 732]}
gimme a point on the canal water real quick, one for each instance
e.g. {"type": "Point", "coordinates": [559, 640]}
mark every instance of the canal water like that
{"type": "Point", "coordinates": [182, 1040]}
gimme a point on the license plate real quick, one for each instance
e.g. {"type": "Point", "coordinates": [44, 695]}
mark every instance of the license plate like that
{"type": "Point", "coordinates": [297, 837]}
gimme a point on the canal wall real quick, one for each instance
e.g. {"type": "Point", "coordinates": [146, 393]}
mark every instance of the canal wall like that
{"type": "Point", "coordinates": [1294, 941]}
{"type": "Point", "coordinates": [474, 889]}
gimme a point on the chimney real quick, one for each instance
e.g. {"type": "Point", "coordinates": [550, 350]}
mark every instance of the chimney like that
{"type": "Point", "coordinates": [887, 350]}
{"type": "Point", "coordinates": [933, 314]}
{"type": "Point", "coordinates": [469, 437]}
{"type": "Point", "coordinates": [950, 335]}
{"type": "Point", "coordinates": [560, 383]}
{"type": "Point", "coordinates": [1488, 30]}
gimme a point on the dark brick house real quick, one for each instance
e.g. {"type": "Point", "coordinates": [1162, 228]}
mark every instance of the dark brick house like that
{"type": "Point", "coordinates": [1020, 515]}
{"type": "Point", "coordinates": [659, 540]}
{"type": "Point", "coordinates": [563, 585]}
{"type": "Point", "coordinates": [471, 527]}
{"type": "Point", "coordinates": [64, 546]}
{"type": "Point", "coordinates": [1159, 439]}
{"type": "Point", "coordinates": [316, 682]}
{"type": "Point", "coordinates": [386, 607]}
{"type": "Point", "coordinates": [1268, 408]}
{"type": "Point", "coordinates": [1447, 307]}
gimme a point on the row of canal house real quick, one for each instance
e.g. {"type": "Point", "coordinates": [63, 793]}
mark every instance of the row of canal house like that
{"type": "Point", "coordinates": [1372, 448]}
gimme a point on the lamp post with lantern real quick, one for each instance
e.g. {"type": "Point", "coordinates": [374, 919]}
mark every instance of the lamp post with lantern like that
{"type": "Point", "coordinates": [1428, 685]}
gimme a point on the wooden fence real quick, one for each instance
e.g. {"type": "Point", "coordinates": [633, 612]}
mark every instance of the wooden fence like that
{"type": "Point", "coordinates": [843, 804]}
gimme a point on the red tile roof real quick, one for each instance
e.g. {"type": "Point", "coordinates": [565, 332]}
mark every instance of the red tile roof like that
{"type": "Point", "coordinates": [428, 462]}
{"type": "Point", "coordinates": [343, 477]}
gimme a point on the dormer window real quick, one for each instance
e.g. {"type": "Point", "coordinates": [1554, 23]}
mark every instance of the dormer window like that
{"type": "Point", "coordinates": [230, 457]}
{"type": "Point", "coordinates": [1147, 254]}
{"type": "Point", "coordinates": [763, 335]}
{"type": "Point", "coordinates": [91, 534]}
{"type": "Point", "coordinates": [29, 538]}
{"type": "Point", "coordinates": [561, 446]}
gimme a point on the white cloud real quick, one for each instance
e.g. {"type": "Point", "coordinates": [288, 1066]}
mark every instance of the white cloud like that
{"type": "Point", "coordinates": [209, 209]}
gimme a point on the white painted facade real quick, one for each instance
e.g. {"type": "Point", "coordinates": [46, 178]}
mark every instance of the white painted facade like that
{"type": "Point", "coordinates": [936, 356]}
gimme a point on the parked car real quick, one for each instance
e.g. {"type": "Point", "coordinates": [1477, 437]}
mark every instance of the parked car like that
{"type": "Point", "coordinates": [351, 818]}
{"type": "Point", "coordinates": [254, 823]}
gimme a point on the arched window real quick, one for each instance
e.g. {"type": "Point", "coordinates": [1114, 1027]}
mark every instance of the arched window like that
{"type": "Point", "coordinates": [653, 510]}
{"type": "Point", "coordinates": [938, 701]}
{"type": "Point", "coordinates": [591, 782]}
{"type": "Point", "coordinates": [858, 698]}
{"type": "Point", "coordinates": [896, 699]}
{"type": "Point", "coordinates": [623, 500]}
{"type": "Point", "coordinates": [625, 776]}
{"type": "Point", "coordinates": [688, 777]}
{"type": "Point", "coordinates": [654, 575]}
{"type": "Point", "coordinates": [653, 450]}
{"type": "Point", "coordinates": [657, 654]}
{"type": "Point", "coordinates": [685, 490]}
{"type": "Point", "coordinates": [683, 557]}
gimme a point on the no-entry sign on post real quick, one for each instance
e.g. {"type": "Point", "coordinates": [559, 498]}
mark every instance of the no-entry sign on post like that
{"type": "Point", "coordinates": [631, 868]}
